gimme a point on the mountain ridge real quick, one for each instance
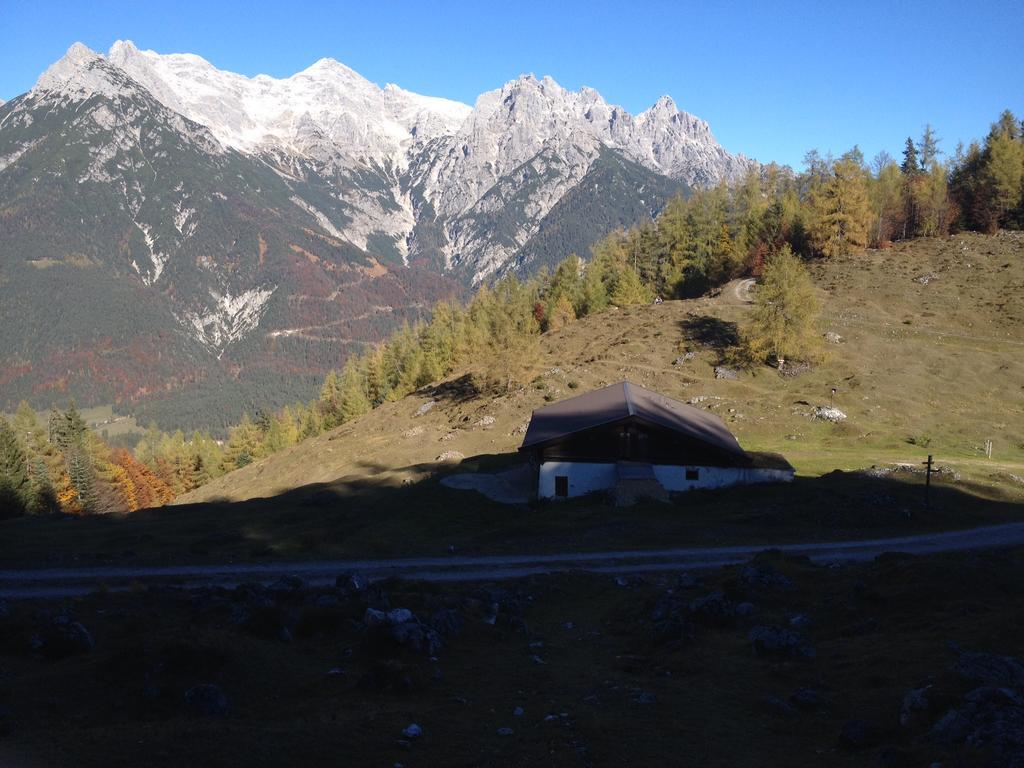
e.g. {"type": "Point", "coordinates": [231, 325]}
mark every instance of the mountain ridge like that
{"type": "Point", "coordinates": [276, 224]}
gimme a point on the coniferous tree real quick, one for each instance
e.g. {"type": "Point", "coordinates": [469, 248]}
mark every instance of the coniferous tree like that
{"type": "Point", "coordinates": [910, 165]}
{"type": "Point", "coordinates": [14, 478]}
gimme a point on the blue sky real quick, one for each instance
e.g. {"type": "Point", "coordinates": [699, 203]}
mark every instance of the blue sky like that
{"type": "Point", "coordinates": [773, 80]}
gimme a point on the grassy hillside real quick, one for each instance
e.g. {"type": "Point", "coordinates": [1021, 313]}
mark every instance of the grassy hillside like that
{"type": "Point", "coordinates": [924, 366]}
{"type": "Point", "coordinates": [931, 361]}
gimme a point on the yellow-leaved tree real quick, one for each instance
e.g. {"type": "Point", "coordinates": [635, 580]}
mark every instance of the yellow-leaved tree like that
{"type": "Point", "coordinates": [841, 213]}
{"type": "Point", "coordinates": [785, 312]}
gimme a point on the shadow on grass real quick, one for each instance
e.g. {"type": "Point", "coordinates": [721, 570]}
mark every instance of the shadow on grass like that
{"type": "Point", "coordinates": [383, 512]}
{"type": "Point", "coordinates": [460, 390]}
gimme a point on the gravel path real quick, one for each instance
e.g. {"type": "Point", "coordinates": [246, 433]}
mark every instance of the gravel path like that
{"type": "Point", "coordinates": [68, 582]}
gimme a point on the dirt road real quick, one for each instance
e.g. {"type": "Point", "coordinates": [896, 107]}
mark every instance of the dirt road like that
{"type": "Point", "coordinates": [68, 582]}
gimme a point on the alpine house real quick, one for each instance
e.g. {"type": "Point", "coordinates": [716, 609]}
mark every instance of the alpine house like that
{"type": "Point", "coordinates": [636, 442]}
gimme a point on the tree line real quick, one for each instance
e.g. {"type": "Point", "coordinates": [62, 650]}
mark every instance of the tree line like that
{"type": "Point", "coordinates": [766, 225]}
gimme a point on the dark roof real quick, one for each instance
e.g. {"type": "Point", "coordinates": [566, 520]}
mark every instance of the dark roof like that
{"type": "Point", "coordinates": [621, 401]}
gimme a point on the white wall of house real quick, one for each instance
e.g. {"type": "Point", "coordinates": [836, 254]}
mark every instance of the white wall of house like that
{"type": "Point", "coordinates": [673, 478]}
{"type": "Point", "coordinates": [585, 477]}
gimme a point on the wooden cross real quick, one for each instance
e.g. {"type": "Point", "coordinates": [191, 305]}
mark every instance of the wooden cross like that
{"type": "Point", "coordinates": [928, 482]}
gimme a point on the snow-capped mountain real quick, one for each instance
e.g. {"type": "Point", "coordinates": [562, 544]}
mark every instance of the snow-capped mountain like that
{"type": "Point", "coordinates": [325, 107]}
{"type": "Point", "coordinates": [274, 223]}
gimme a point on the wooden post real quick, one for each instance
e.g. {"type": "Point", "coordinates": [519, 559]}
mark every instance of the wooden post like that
{"type": "Point", "coordinates": [928, 482]}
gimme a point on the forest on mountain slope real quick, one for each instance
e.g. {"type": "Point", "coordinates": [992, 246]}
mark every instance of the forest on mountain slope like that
{"type": "Point", "coordinates": [765, 226]}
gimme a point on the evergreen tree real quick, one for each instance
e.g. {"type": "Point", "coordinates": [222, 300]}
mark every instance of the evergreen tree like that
{"type": "Point", "coordinates": [14, 478]}
{"type": "Point", "coordinates": [80, 471]}
{"type": "Point", "coordinates": [910, 165]}
{"type": "Point", "coordinates": [42, 498]}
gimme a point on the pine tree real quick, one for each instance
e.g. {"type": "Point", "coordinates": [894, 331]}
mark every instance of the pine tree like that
{"type": "Point", "coordinates": [80, 471]}
{"type": "Point", "coordinates": [14, 479]}
{"type": "Point", "coordinates": [785, 311]}
{"type": "Point", "coordinates": [910, 165]}
{"type": "Point", "coordinates": [42, 498]}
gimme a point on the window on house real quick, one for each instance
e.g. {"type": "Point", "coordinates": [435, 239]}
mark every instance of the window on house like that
{"type": "Point", "coordinates": [562, 485]}
{"type": "Point", "coordinates": [693, 474]}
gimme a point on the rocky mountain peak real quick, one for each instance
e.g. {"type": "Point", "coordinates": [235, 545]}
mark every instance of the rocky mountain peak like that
{"type": "Point", "coordinates": [81, 73]}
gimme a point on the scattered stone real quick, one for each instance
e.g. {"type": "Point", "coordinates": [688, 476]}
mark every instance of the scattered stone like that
{"type": "Point", "coordinates": [414, 432]}
{"type": "Point", "coordinates": [914, 701]}
{"type": "Point", "coordinates": [766, 576]}
{"type": "Point", "coordinates": [451, 456]}
{"type": "Point", "coordinates": [399, 616]}
{"type": "Point", "coordinates": [712, 610]}
{"type": "Point", "coordinates": [829, 413]}
{"type": "Point", "coordinates": [425, 408]}
{"type": "Point", "coordinates": [447, 622]}
{"type": "Point", "coordinates": [288, 584]}
{"type": "Point", "coordinates": [505, 731]}
{"type": "Point", "coordinates": [412, 731]}
{"type": "Point", "coordinates": [990, 669]}
{"type": "Point", "coordinates": [800, 622]}
{"type": "Point", "coordinates": [775, 641]}
{"type": "Point", "coordinates": [721, 372]}
{"type": "Point", "coordinates": [402, 626]}
{"type": "Point", "coordinates": [206, 701]}
{"type": "Point", "coordinates": [833, 338]}
{"type": "Point", "coordinates": [352, 582]}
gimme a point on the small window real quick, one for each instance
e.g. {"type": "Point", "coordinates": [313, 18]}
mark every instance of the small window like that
{"type": "Point", "coordinates": [693, 474]}
{"type": "Point", "coordinates": [562, 485]}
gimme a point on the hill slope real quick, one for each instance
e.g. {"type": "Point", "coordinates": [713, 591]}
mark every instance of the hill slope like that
{"type": "Point", "coordinates": [931, 361]}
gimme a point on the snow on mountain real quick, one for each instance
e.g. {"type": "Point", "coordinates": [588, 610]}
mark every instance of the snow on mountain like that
{"type": "Point", "coordinates": [328, 102]}
{"type": "Point", "coordinates": [480, 179]}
